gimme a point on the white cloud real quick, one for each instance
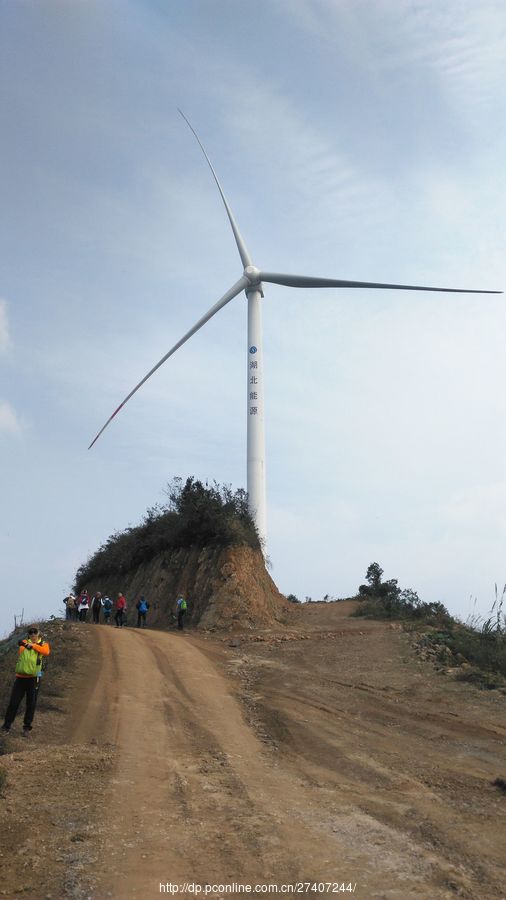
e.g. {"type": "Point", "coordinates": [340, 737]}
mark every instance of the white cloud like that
{"type": "Point", "coordinates": [462, 45]}
{"type": "Point", "coordinates": [9, 422]}
{"type": "Point", "coordinates": [326, 182]}
{"type": "Point", "coordinates": [4, 327]}
{"type": "Point", "coordinates": [465, 46]}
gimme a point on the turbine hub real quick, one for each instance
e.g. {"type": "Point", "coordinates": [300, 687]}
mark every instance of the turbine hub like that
{"type": "Point", "coordinates": [252, 274]}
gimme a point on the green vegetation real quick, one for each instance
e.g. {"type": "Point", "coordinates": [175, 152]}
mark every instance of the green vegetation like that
{"type": "Point", "coordinates": [479, 646]}
{"type": "Point", "coordinates": [195, 515]}
{"type": "Point", "coordinates": [483, 643]}
{"type": "Point", "coordinates": [386, 600]}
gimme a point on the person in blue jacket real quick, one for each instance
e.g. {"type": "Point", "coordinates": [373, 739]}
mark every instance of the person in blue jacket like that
{"type": "Point", "coordinates": [142, 607]}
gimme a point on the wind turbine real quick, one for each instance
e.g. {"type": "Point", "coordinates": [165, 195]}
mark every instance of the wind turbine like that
{"type": "Point", "coordinates": [251, 282]}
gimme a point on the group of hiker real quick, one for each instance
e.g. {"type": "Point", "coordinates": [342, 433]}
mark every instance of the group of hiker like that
{"type": "Point", "coordinates": [78, 607]}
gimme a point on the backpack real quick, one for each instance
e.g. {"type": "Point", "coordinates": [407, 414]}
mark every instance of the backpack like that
{"type": "Point", "coordinates": [143, 606]}
{"type": "Point", "coordinates": [183, 606]}
{"type": "Point", "coordinates": [107, 604]}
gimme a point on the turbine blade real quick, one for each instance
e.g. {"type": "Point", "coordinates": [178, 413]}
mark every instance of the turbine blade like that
{"type": "Point", "coordinates": [307, 281]}
{"type": "Point", "coordinates": [241, 246]}
{"type": "Point", "coordinates": [233, 292]}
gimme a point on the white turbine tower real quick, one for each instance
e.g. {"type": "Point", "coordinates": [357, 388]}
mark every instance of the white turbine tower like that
{"type": "Point", "coordinates": [251, 282]}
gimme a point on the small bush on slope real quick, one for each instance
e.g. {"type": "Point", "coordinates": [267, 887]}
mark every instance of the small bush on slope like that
{"type": "Point", "coordinates": [385, 600]}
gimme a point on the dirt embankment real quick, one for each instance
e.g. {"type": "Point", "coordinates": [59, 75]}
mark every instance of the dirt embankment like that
{"type": "Point", "coordinates": [322, 751]}
{"type": "Point", "coordinates": [225, 589]}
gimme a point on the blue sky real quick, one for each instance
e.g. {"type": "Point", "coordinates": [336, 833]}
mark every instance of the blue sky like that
{"type": "Point", "coordinates": [353, 140]}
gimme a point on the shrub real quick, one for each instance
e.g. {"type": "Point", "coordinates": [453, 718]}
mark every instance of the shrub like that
{"type": "Point", "coordinates": [482, 648]}
{"type": "Point", "coordinates": [292, 598]}
{"type": "Point", "coordinates": [483, 643]}
{"type": "Point", "coordinates": [485, 681]}
{"type": "Point", "coordinates": [195, 514]}
{"type": "Point", "coordinates": [385, 600]}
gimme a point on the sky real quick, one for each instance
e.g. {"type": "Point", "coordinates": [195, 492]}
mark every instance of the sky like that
{"type": "Point", "coordinates": [356, 140]}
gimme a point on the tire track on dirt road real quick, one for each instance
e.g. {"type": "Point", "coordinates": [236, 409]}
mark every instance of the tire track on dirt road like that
{"type": "Point", "coordinates": [197, 798]}
{"type": "Point", "coordinates": [193, 798]}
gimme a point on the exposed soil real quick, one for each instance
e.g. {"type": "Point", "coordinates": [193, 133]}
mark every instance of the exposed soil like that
{"type": "Point", "coordinates": [323, 751]}
{"type": "Point", "coordinates": [227, 588]}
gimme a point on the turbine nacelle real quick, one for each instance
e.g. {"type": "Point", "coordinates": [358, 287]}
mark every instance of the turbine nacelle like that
{"type": "Point", "coordinates": [253, 275]}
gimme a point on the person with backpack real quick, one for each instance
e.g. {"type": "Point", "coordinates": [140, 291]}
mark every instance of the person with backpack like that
{"type": "Point", "coordinates": [32, 651]}
{"type": "Point", "coordinates": [107, 607]}
{"type": "Point", "coordinates": [142, 607]}
{"type": "Point", "coordinates": [182, 607]}
{"type": "Point", "coordinates": [70, 607]}
{"type": "Point", "coordinates": [83, 605]}
{"type": "Point", "coordinates": [120, 611]}
{"type": "Point", "coordinates": [96, 606]}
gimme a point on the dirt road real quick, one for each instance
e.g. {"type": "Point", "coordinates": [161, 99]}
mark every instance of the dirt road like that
{"type": "Point", "coordinates": [325, 752]}
{"type": "Point", "coordinates": [196, 798]}
{"type": "Point", "coordinates": [328, 759]}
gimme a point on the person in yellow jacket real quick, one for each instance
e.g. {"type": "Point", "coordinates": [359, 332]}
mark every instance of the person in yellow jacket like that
{"type": "Point", "coordinates": [32, 651]}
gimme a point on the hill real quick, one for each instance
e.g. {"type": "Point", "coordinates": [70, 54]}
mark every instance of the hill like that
{"type": "Point", "coordinates": [204, 544]}
{"type": "Point", "coordinates": [322, 751]}
{"type": "Point", "coordinates": [227, 588]}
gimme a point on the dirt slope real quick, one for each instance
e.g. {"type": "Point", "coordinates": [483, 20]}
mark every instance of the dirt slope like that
{"type": "Point", "coordinates": [226, 588]}
{"type": "Point", "coordinates": [325, 752]}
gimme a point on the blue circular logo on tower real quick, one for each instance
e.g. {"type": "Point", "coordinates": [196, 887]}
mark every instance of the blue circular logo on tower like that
{"type": "Point", "coordinates": [252, 349]}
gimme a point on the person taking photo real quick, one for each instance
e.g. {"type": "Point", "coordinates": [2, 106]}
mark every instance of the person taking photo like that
{"type": "Point", "coordinates": [31, 653]}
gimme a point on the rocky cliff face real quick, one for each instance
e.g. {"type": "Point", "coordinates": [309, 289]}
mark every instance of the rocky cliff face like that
{"type": "Point", "coordinates": [225, 589]}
